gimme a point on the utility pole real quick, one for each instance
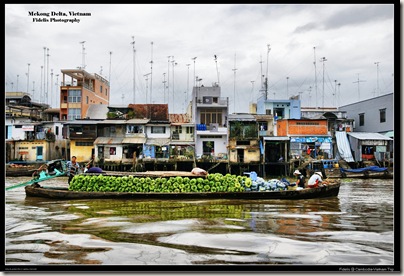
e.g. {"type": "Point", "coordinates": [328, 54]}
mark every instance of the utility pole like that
{"type": "Point", "coordinates": [134, 69]}
{"type": "Point", "coordinates": [252, 90]}
{"type": "Point", "coordinates": [17, 82]}
{"type": "Point", "coordinates": [335, 93]}
{"type": "Point", "coordinates": [339, 93]}
{"type": "Point", "coordinates": [358, 81]}
{"type": "Point", "coordinates": [377, 69]}
{"type": "Point", "coordinates": [234, 91]}
{"type": "Point", "coordinates": [33, 89]}
{"type": "Point", "coordinates": [262, 82]}
{"type": "Point", "coordinates": [287, 87]}
{"type": "Point", "coordinates": [323, 60]}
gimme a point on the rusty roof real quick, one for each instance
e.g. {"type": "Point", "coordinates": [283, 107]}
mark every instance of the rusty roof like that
{"type": "Point", "coordinates": [179, 118]}
{"type": "Point", "coordinates": [154, 112]}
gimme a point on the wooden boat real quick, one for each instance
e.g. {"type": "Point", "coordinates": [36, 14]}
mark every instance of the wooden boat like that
{"type": "Point", "coordinates": [331, 169]}
{"type": "Point", "coordinates": [331, 190]}
{"type": "Point", "coordinates": [16, 169]}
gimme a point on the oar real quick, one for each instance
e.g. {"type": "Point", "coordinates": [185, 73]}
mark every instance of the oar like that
{"type": "Point", "coordinates": [32, 181]}
{"type": "Point", "coordinates": [42, 177]}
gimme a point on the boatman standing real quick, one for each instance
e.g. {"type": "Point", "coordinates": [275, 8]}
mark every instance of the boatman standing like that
{"type": "Point", "coordinates": [73, 167]}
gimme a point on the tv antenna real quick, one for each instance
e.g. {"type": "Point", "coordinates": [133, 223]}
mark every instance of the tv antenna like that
{"type": "Point", "coordinates": [83, 55]}
{"type": "Point", "coordinates": [358, 81]}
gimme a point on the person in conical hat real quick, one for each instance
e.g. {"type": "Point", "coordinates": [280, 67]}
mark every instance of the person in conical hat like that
{"type": "Point", "coordinates": [315, 180]}
{"type": "Point", "coordinates": [300, 178]}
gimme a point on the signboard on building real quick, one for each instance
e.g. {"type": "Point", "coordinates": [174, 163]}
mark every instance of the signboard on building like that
{"type": "Point", "coordinates": [28, 128]}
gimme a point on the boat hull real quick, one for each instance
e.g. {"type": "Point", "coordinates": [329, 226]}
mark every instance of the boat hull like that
{"type": "Point", "coordinates": [36, 190]}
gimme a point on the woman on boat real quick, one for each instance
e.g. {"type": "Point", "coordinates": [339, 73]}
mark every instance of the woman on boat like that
{"type": "Point", "coordinates": [315, 180]}
{"type": "Point", "coordinates": [300, 179]}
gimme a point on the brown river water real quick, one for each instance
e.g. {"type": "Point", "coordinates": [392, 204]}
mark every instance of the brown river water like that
{"type": "Point", "coordinates": [357, 230]}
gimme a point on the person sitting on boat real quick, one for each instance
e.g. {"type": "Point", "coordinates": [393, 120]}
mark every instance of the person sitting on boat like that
{"type": "Point", "coordinates": [43, 167]}
{"type": "Point", "coordinates": [300, 178]}
{"type": "Point", "coordinates": [73, 167]}
{"type": "Point", "coordinates": [315, 180]}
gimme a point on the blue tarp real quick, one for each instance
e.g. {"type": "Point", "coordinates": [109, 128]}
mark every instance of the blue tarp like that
{"type": "Point", "coordinates": [361, 170]}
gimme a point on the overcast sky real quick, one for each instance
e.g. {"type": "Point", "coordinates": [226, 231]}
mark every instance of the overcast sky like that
{"type": "Point", "coordinates": [357, 42]}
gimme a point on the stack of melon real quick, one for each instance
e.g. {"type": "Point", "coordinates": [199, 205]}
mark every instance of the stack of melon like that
{"type": "Point", "coordinates": [215, 182]}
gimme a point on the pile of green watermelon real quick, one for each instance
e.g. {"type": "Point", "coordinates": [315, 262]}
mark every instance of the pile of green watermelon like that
{"type": "Point", "coordinates": [215, 182]}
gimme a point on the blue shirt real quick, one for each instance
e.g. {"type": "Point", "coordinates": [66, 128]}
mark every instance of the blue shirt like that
{"type": "Point", "coordinates": [72, 169]}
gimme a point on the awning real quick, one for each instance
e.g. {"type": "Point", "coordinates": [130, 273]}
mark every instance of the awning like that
{"type": "Point", "coordinates": [276, 138]}
{"type": "Point", "coordinates": [368, 136]}
{"type": "Point", "coordinates": [158, 141]}
{"type": "Point", "coordinates": [179, 143]}
{"type": "Point", "coordinates": [344, 147]}
{"type": "Point", "coordinates": [134, 140]}
{"type": "Point", "coordinates": [137, 121]}
{"type": "Point", "coordinates": [389, 134]}
{"type": "Point", "coordinates": [108, 141]}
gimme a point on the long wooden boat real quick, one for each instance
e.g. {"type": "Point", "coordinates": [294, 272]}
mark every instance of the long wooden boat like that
{"type": "Point", "coordinates": [331, 190]}
{"type": "Point", "coordinates": [22, 169]}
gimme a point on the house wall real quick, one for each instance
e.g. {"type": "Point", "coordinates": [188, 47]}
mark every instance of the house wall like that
{"type": "Point", "coordinates": [82, 153]}
{"type": "Point", "coordinates": [371, 110]}
{"type": "Point", "coordinates": [302, 127]}
{"type": "Point", "coordinates": [29, 150]}
{"type": "Point", "coordinates": [220, 145]}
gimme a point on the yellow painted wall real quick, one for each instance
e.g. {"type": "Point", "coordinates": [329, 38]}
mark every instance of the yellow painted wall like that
{"type": "Point", "coordinates": [28, 150]}
{"type": "Point", "coordinates": [82, 153]}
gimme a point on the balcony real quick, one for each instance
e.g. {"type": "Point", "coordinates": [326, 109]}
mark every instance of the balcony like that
{"type": "Point", "coordinates": [212, 102]}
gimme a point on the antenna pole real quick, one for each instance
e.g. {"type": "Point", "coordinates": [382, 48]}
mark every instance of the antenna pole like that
{"type": "Point", "coordinates": [234, 70]}
{"type": "Point", "coordinates": [287, 87]}
{"type": "Point", "coordinates": [51, 87]}
{"type": "Point", "coordinates": [109, 73]}
{"type": "Point", "coordinates": [358, 81]}
{"type": "Point", "coordinates": [266, 76]}
{"type": "Point", "coordinates": [262, 83]}
{"type": "Point", "coordinates": [164, 87]}
{"type": "Point", "coordinates": [315, 74]}
{"type": "Point", "coordinates": [83, 55]}
{"type": "Point", "coordinates": [151, 74]}
{"type": "Point", "coordinates": [323, 60]}
{"type": "Point", "coordinates": [134, 69]}
{"type": "Point", "coordinates": [377, 70]}
{"type": "Point", "coordinates": [44, 74]}
{"type": "Point", "coordinates": [194, 58]}
{"type": "Point", "coordinates": [28, 79]}
{"type": "Point", "coordinates": [40, 91]}
{"type": "Point", "coordinates": [47, 75]}
{"type": "Point", "coordinates": [217, 71]}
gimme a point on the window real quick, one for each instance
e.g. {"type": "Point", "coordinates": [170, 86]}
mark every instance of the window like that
{"type": "Point", "coordinates": [158, 129]}
{"type": "Point", "coordinates": [190, 130]}
{"type": "Point", "coordinates": [211, 115]}
{"type": "Point", "coordinates": [100, 89]}
{"type": "Point", "coordinates": [382, 115]}
{"type": "Point", "coordinates": [83, 144]}
{"type": "Point", "coordinates": [56, 130]}
{"type": "Point", "coordinates": [178, 129]}
{"type": "Point", "coordinates": [86, 99]}
{"type": "Point", "coordinates": [106, 91]}
{"type": "Point", "coordinates": [362, 119]}
{"type": "Point", "coordinates": [268, 112]}
{"type": "Point", "coordinates": [73, 113]}
{"type": "Point", "coordinates": [74, 96]}
{"type": "Point", "coordinates": [112, 151]}
{"type": "Point", "coordinates": [134, 129]}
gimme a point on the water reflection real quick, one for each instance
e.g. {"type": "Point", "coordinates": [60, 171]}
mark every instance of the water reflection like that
{"type": "Point", "coordinates": [354, 228]}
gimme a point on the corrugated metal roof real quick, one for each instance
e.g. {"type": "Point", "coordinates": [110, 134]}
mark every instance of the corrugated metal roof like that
{"type": "Point", "coordinates": [158, 141]}
{"type": "Point", "coordinates": [179, 118]}
{"type": "Point", "coordinates": [179, 143]}
{"type": "Point", "coordinates": [241, 117]}
{"type": "Point", "coordinates": [81, 122]}
{"type": "Point", "coordinates": [108, 141]}
{"type": "Point", "coordinates": [276, 138]}
{"type": "Point", "coordinates": [113, 122]}
{"type": "Point", "coordinates": [134, 140]}
{"type": "Point", "coordinates": [137, 121]}
{"type": "Point", "coordinates": [389, 134]}
{"type": "Point", "coordinates": [369, 136]}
